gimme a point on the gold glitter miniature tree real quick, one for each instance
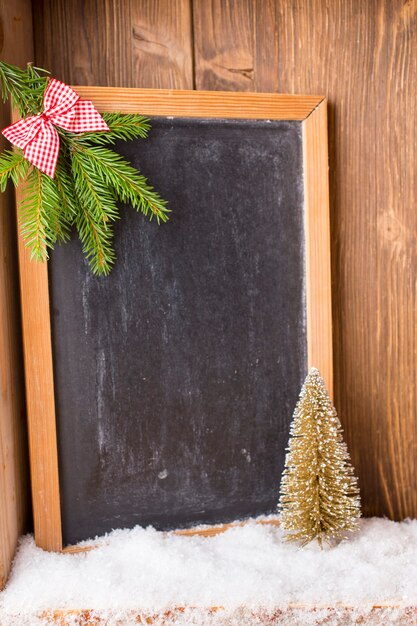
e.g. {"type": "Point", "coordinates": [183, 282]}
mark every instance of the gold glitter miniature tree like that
{"type": "Point", "coordinates": [319, 493]}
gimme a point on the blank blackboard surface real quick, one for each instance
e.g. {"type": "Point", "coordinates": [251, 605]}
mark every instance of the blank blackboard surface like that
{"type": "Point", "coordinates": [176, 376]}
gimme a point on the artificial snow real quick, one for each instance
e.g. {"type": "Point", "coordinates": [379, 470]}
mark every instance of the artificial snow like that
{"type": "Point", "coordinates": [248, 566]}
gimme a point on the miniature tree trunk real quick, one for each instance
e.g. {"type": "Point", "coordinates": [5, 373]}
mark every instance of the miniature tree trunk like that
{"type": "Point", "coordinates": [319, 492]}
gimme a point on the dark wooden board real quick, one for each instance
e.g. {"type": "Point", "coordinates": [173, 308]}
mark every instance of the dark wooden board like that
{"type": "Point", "coordinates": [176, 376]}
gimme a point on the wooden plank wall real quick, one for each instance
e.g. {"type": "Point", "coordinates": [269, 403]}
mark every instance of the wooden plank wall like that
{"type": "Point", "coordinates": [361, 54]}
{"type": "Point", "coordinates": [15, 47]}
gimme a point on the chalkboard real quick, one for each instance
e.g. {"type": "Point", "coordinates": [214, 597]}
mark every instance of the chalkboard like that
{"type": "Point", "coordinates": [175, 377]}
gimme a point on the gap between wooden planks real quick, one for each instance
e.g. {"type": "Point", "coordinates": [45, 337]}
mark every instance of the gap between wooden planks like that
{"type": "Point", "coordinates": [209, 531]}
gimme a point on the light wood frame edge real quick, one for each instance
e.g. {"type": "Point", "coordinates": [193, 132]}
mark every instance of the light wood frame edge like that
{"type": "Point", "coordinates": [177, 102]}
{"type": "Point", "coordinates": [40, 397]}
{"type": "Point", "coordinates": [317, 233]}
{"type": "Point", "coordinates": [311, 111]}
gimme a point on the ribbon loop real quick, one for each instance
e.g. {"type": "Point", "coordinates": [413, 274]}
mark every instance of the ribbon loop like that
{"type": "Point", "coordinates": [37, 136]}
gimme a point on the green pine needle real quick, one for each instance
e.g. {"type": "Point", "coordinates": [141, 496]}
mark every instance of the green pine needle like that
{"type": "Point", "coordinates": [126, 182]}
{"type": "Point", "coordinates": [13, 166]}
{"type": "Point", "coordinates": [96, 237]}
{"type": "Point", "coordinates": [97, 209]}
{"type": "Point", "coordinates": [96, 241]}
{"type": "Point", "coordinates": [41, 219]}
{"type": "Point", "coordinates": [25, 87]}
{"type": "Point", "coordinates": [65, 186]}
{"type": "Point", "coordinates": [89, 180]}
{"type": "Point", "coordinates": [89, 189]}
{"type": "Point", "coordinates": [125, 127]}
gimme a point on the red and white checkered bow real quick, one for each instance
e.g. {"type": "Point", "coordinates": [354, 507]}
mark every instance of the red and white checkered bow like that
{"type": "Point", "coordinates": [37, 135]}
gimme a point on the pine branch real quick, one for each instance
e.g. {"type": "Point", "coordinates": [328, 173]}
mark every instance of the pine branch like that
{"type": "Point", "coordinates": [124, 127]}
{"type": "Point", "coordinates": [89, 179]}
{"type": "Point", "coordinates": [129, 186]}
{"type": "Point", "coordinates": [65, 186]}
{"type": "Point", "coordinates": [91, 190]}
{"type": "Point", "coordinates": [13, 166]}
{"type": "Point", "coordinates": [25, 87]}
{"type": "Point", "coordinates": [96, 241]}
{"type": "Point", "coordinates": [42, 224]}
{"type": "Point", "coordinates": [96, 209]}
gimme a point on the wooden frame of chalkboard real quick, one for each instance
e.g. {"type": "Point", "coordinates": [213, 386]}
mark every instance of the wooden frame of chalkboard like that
{"type": "Point", "coordinates": [311, 111]}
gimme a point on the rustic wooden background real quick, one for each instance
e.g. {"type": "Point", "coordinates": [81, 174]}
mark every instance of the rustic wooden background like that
{"type": "Point", "coordinates": [362, 55]}
{"type": "Point", "coordinates": [15, 45]}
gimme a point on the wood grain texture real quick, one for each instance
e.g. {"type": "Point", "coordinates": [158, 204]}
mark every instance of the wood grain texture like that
{"type": "Point", "coordinates": [95, 36]}
{"type": "Point", "coordinates": [317, 232]}
{"type": "Point", "coordinates": [201, 103]}
{"type": "Point", "coordinates": [40, 398]}
{"type": "Point", "coordinates": [15, 47]}
{"type": "Point", "coordinates": [133, 43]}
{"type": "Point", "coordinates": [235, 42]}
{"type": "Point", "coordinates": [162, 49]}
{"type": "Point", "coordinates": [224, 56]}
{"type": "Point", "coordinates": [362, 56]}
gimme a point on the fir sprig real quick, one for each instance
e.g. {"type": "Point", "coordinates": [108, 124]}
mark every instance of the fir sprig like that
{"type": "Point", "coordinates": [122, 126]}
{"type": "Point", "coordinates": [42, 221]}
{"type": "Point", "coordinates": [24, 87]}
{"type": "Point", "coordinates": [66, 191]}
{"type": "Point", "coordinates": [90, 179]}
{"type": "Point", "coordinates": [127, 184]}
{"type": "Point", "coordinates": [96, 238]}
{"type": "Point", "coordinates": [13, 166]}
